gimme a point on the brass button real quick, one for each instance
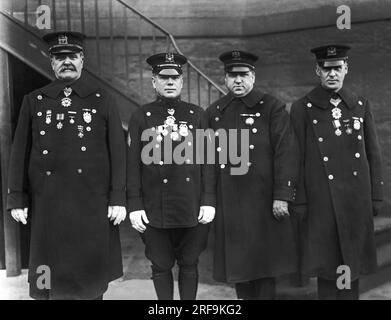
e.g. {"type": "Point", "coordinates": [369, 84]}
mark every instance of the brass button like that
{"type": "Point", "coordinates": [251, 146]}
{"type": "Point", "coordinates": [191, 111]}
{"type": "Point", "coordinates": [42, 133]}
{"type": "Point", "coordinates": [325, 159]}
{"type": "Point", "coordinates": [48, 173]}
{"type": "Point", "coordinates": [79, 170]}
{"type": "Point", "coordinates": [148, 114]}
{"type": "Point", "coordinates": [218, 149]}
{"type": "Point", "coordinates": [83, 148]}
{"type": "Point", "coordinates": [331, 177]}
{"type": "Point", "coordinates": [355, 173]}
{"type": "Point", "coordinates": [320, 139]}
{"type": "Point", "coordinates": [217, 119]}
{"type": "Point", "coordinates": [222, 166]}
{"type": "Point", "coordinates": [39, 97]}
{"type": "Point", "coordinates": [314, 121]}
{"type": "Point", "coordinates": [254, 130]}
{"type": "Point", "coordinates": [45, 152]}
{"type": "Point", "coordinates": [165, 180]}
{"type": "Point", "coordinates": [161, 163]}
{"type": "Point", "coordinates": [39, 114]}
{"type": "Point", "coordinates": [187, 179]}
{"type": "Point", "coordinates": [357, 155]}
{"type": "Point", "coordinates": [97, 94]}
{"type": "Point", "coordinates": [309, 105]}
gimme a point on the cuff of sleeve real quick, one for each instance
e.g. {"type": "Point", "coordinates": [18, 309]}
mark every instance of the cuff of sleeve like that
{"type": "Point", "coordinates": [135, 204]}
{"type": "Point", "coordinates": [117, 198]}
{"type": "Point", "coordinates": [16, 200]}
{"type": "Point", "coordinates": [284, 193]}
{"type": "Point", "coordinates": [208, 199]}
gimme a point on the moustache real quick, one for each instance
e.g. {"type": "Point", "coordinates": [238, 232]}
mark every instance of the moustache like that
{"type": "Point", "coordinates": [65, 68]}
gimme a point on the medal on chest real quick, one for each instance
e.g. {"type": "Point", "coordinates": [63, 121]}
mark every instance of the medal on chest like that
{"type": "Point", "coordinates": [336, 113]}
{"type": "Point", "coordinates": [48, 119]}
{"type": "Point", "coordinates": [80, 130]}
{"type": "Point", "coordinates": [249, 121]}
{"type": "Point", "coordinates": [169, 127]}
{"type": "Point", "coordinates": [60, 117]}
{"type": "Point", "coordinates": [66, 102]}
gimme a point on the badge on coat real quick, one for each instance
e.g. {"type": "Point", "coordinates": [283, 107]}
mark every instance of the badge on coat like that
{"type": "Point", "coordinates": [48, 116]}
{"type": "Point", "coordinates": [87, 117]}
{"type": "Point", "coordinates": [66, 102]}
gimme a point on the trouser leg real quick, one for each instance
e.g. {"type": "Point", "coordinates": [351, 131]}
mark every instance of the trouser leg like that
{"type": "Point", "coordinates": [349, 294]}
{"type": "Point", "coordinates": [327, 289]}
{"type": "Point", "coordinates": [264, 289]}
{"type": "Point", "coordinates": [189, 244]}
{"type": "Point", "coordinates": [163, 282]}
{"type": "Point", "coordinates": [188, 282]}
{"type": "Point", "coordinates": [159, 250]}
{"type": "Point", "coordinates": [244, 290]}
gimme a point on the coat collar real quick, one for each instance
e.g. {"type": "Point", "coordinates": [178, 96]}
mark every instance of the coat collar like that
{"type": "Point", "coordinates": [250, 100]}
{"type": "Point", "coordinates": [167, 102]}
{"type": "Point", "coordinates": [81, 87]}
{"type": "Point", "coordinates": [321, 97]}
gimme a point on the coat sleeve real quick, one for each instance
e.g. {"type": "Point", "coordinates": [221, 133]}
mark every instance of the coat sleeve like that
{"type": "Point", "coordinates": [285, 155]}
{"type": "Point", "coordinates": [208, 196]}
{"type": "Point", "coordinates": [299, 124]}
{"type": "Point", "coordinates": [117, 149]}
{"type": "Point", "coordinates": [373, 152]}
{"type": "Point", "coordinates": [134, 166]}
{"type": "Point", "coordinates": [18, 196]}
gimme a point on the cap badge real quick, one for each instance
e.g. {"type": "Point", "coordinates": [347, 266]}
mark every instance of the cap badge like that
{"type": "Point", "coordinates": [169, 57]}
{"type": "Point", "coordinates": [331, 51]}
{"type": "Point", "coordinates": [63, 39]}
{"type": "Point", "coordinates": [235, 54]}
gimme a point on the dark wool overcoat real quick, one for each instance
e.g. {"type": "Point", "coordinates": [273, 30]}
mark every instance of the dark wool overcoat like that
{"type": "Point", "coordinates": [67, 166]}
{"type": "Point", "coordinates": [340, 177]}
{"type": "Point", "coordinates": [249, 242]}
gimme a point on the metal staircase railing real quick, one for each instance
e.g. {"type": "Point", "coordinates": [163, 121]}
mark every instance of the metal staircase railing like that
{"type": "Point", "coordinates": [119, 39]}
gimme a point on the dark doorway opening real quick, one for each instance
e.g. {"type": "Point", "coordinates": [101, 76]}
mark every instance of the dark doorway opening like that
{"type": "Point", "coordinates": [24, 80]}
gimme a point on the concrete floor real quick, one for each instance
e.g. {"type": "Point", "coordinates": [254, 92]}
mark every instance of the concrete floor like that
{"type": "Point", "coordinates": [16, 288]}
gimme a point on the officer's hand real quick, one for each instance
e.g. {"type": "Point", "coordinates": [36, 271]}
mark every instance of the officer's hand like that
{"type": "Point", "coordinates": [377, 206]}
{"type": "Point", "coordinates": [20, 215]}
{"type": "Point", "coordinates": [207, 214]}
{"type": "Point", "coordinates": [116, 213]}
{"type": "Point", "coordinates": [280, 209]}
{"type": "Point", "coordinates": [137, 218]}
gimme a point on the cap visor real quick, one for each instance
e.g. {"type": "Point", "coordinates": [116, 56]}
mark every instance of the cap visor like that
{"type": "Point", "coordinates": [239, 68]}
{"type": "Point", "coordinates": [333, 63]}
{"type": "Point", "coordinates": [169, 72]}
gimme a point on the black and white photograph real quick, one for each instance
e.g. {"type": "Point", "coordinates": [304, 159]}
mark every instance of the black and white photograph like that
{"type": "Point", "coordinates": [213, 151]}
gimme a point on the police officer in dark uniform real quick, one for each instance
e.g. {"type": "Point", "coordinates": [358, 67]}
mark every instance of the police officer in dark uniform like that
{"type": "Point", "coordinates": [254, 240]}
{"type": "Point", "coordinates": [170, 197]}
{"type": "Point", "coordinates": [341, 181]}
{"type": "Point", "coordinates": [67, 167]}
